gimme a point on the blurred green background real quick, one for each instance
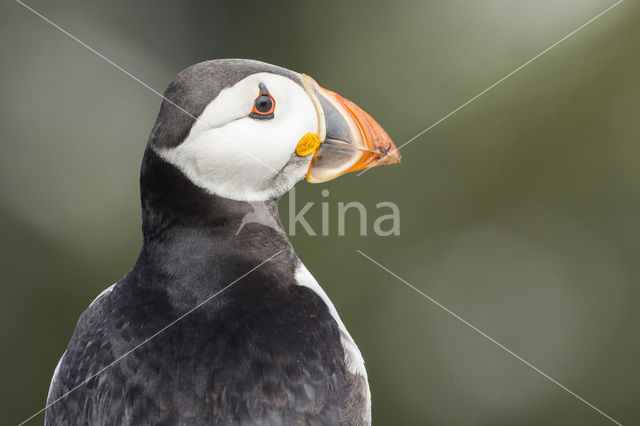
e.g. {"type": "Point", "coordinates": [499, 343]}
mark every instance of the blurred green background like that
{"type": "Point", "coordinates": [520, 212]}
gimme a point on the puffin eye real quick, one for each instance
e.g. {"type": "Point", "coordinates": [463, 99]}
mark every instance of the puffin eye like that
{"type": "Point", "coordinates": [264, 105]}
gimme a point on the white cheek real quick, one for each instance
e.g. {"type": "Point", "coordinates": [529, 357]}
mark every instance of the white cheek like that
{"type": "Point", "coordinates": [230, 154]}
{"type": "Point", "coordinates": [214, 161]}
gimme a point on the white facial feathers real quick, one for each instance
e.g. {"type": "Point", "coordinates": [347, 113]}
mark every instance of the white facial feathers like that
{"type": "Point", "coordinates": [231, 154]}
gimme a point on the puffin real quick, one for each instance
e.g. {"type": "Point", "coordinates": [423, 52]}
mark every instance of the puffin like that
{"type": "Point", "coordinates": [218, 321]}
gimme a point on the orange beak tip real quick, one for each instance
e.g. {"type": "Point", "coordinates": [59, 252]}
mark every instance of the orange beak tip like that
{"type": "Point", "coordinates": [364, 143]}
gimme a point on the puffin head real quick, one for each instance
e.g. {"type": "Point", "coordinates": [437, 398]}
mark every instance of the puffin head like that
{"type": "Point", "coordinates": [248, 131]}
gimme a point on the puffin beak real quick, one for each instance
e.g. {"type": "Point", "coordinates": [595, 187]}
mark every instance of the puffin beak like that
{"type": "Point", "coordinates": [354, 141]}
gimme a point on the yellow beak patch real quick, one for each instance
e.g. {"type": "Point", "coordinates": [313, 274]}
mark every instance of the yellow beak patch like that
{"type": "Point", "coordinates": [309, 143]}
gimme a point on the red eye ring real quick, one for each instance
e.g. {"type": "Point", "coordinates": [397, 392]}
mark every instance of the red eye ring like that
{"type": "Point", "coordinates": [264, 105]}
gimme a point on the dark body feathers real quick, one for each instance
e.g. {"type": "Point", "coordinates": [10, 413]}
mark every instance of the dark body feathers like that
{"type": "Point", "coordinates": [264, 351]}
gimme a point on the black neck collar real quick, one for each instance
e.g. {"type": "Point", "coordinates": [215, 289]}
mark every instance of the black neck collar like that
{"type": "Point", "coordinates": [195, 237]}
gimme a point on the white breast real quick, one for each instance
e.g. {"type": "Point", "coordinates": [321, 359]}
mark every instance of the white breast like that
{"type": "Point", "coordinates": [352, 355]}
{"type": "Point", "coordinates": [55, 375]}
{"type": "Point", "coordinates": [103, 293]}
{"type": "Point", "coordinates": [57, 369]}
